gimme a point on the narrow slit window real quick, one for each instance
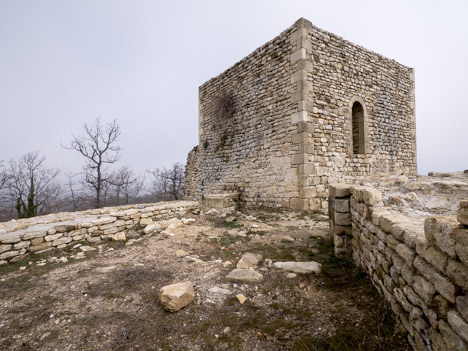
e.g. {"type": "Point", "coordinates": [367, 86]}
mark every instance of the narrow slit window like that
{"type": "Point", "coordinates": [358, 128]}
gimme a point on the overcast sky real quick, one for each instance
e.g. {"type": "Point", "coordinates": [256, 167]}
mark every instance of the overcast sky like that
{"type": "Point", "coordinates": [63, 63]}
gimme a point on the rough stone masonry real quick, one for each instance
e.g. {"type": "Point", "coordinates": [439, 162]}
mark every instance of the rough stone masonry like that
{"type": "Point", "coordinates": [302, 111]}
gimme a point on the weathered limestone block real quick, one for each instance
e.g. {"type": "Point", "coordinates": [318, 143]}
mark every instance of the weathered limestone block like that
{"type": "Point", "coordinates": [37, 241]}
{"type": "Point", "coordinates": [342, 205]}
{"type": "Point", "coordinates": [442, 284]}
{"type": "Point", "coordinates": [406, 253]}
{"type": "Point", "coordinates": [300, 267]}
{"type": "Point", "coordinates": [39, 247]}
{"type": "Point", "coordinates": [342, 219]}
{"type": "Point", "coordinates": [112, 230]}
{"type": "Point", "coordinates": [339, 190]}
{"type": "Point", "coordinates": [151, 228]}
{"type": "Point", "coordinates": [462, 215]}
{"type": "Point", "coordinates": [367, 195]}
{"type": "Point", "coordinates": [249, 260]}
{"type": "Point", "coordinates": [440, 231]}
{"type": "Point", "coordinates": [8, 254]}
{"type": "Point", "coordinates": [145, 221]}
{"type": "Point", "coordinates": [6, 247]}
{"type": "Point", "coordinates": [36, 234]}
{"type": "Point", "coordinates": [61, 241]}
{"type": "Point", "coordinates": [104, 220]}
{"type": "Point", "coordinates": [424, 289]}
{"type": "Point", "coordinates": [21, 245]}
{"type": "Point", "coordinates": [436, 258]}
{"type": "Point", "coordinates": [176, 296]}
{"type": "Point", "coordinates": [64, 228]}
{"type": "Point", "coordinates": [452, 340]}
{"type": "Point", "coordinates": [245, 276]}
{"type": "Point", "coordinates": [461, 245]}
{"type": "Point", "coordinates": [462, 306]}
{"type": "Point", "coordinates": [53, 237]}
{"type": "Point", "coordinates": [458, 324]}
{"type": "Point", "coordinates": [120, 236]}
{"type": "Point", "coordinates": [458, 273]}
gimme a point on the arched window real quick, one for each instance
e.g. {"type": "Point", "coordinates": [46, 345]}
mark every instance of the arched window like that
{"type": "Point", "coordinates": [358, 137]}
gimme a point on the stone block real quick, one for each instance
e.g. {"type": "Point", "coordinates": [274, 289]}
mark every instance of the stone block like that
{"type": "Point", "coordinates": [406, 253]}
{"type": "Point", "coordinates": [299, 138]}
{"type": "Point", "coordinates": [299, 204]}
{"type": "Point", "coordinates": [53, 237]}
{"type": "Point", "coordinates": [176, 296]}
{"type": "Point", "coordinates": [461, 245]}
{"type": "Point", "coordinates": [424, 289]}
{"type": "Point", "coordinates": [462, 306]}
{"type": "Point", "coordinates": [342, 218]}
{"type": "Point", "coordinates": [462, 215]}
{"type": "Point", "coordinates": [458, 273]}
{"type": "Point", "coordinates": [298, 159]}
{"type": "Point", "coordinates": [35, 234]}
{"type": "Point", "coordinates": [458, 324]}
{"type": "Point", "coordinates": [441, 231]}
{"type": "Point", "coordinates": [436, 258]}
{"type": "Point", "coordinates": [452, 340]}
{"type": "Point", "coordinates": [6, 247]}
{"type": "Point", "coordinates": [441, 284]}
{"type": "Point", "coordinates": [37, 241]}
{"type": "Point", "coordinates": [298, 55]}
{"type": "Point", "coordinates": [342, 205]}
{"type": "Point", "coordinates": [39, 247]}
{"type": "Point", "coordinates": [367, 195]}
{"type": "Point", "coordinates": [62, 240]}
{"type": "Point", "coordinates": [339, 190]}
{"type": "Point", "coordinates": [305, 126]}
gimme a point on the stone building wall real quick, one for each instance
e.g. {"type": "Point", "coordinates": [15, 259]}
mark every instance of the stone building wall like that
{"type": "Point", "coordinates": [18, 238]}
{"type": "Point", "coordinates": [290, 130]}
{"type": "Point", "coordinates": [250, 152]}
{"type": "Point", "coordinates": [419, 265]}
{"type": "Point", "coordinates": [191, 175]}
{"type": "Point", "coordinates": [342, 73]}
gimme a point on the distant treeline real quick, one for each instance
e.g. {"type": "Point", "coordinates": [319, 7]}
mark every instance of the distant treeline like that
{"type": "Point", "coordinates": [28, 188]}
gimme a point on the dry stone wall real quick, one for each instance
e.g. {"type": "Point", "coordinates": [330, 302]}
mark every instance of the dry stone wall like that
{"type": "Point", "coordinates": [420, 265]}
{"type": "Point", "coordinates": [289, 130]}
{"type": "Point", "coordinates": [21, 237]}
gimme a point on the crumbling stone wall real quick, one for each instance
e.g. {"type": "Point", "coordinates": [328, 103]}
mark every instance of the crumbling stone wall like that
{"type": "Point", "coordinates": [420, 265]}
{"type": "Point", "coordinates": [59, 230]}
{"type": "Point", "coordinates": [289, 131]}
{"type": "Point", "coordinates": [191, 175]}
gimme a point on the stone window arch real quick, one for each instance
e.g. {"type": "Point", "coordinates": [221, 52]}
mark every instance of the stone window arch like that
{"type": "Point", "coordinates": [358, 127]}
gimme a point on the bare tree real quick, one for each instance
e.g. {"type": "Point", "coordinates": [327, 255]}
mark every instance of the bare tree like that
{"type": "Point", "coordinates": [97, 146]}
{"type": "Point", "coordinates": [126, 184]}
{"type": "Point", "coordinates": [31, 186]}
{"type": "Point", "coordinates": [168, 183]}
{"type": "Point", "coordinates": [3, 175]}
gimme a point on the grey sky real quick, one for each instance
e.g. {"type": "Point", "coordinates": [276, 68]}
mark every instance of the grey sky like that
{"type": "Point", "coordinates": [63, 63]}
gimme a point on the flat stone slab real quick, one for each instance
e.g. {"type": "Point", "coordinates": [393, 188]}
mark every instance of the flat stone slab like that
{"type": "Point", "coordinates": [300, 267]}
{"type": "Point", "coordinates": [245, 276]}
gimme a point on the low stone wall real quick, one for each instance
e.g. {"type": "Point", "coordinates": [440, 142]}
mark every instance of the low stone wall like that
{"type": "Point", "coordinates": [419, 264]}
{"type": "Point", "coordinates": [38, 234]}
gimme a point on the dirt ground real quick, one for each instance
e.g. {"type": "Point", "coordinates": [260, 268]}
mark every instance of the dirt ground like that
{"type": "Point", "coordinates": [109, 299]}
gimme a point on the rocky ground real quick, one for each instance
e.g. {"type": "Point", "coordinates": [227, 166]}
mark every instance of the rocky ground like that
{"type": "Point", "coordinates": [106, 297]}
{"type": "Point", "coordinates": [435, 194]}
